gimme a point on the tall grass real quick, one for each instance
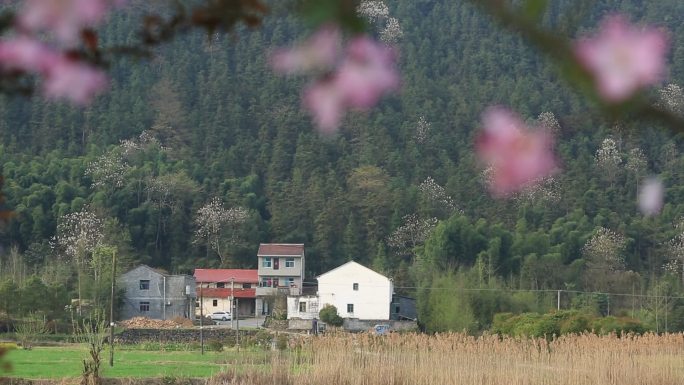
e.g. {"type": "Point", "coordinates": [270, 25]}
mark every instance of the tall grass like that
{"type": "Point", "coordinates": [448, 359]}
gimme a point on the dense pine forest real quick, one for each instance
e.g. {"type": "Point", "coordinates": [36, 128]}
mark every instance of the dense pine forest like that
{"type": "Point", "coordinates": [397, 189]}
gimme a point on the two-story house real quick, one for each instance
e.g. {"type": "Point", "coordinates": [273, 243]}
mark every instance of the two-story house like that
{"type": "Point", "coordinates": [155, 294]}
{"type": "Point", "coordinates": [355, 290]}
{"type": "Point", "coordinates": [217, 287]}
{"type": "Point", "coordinates": [281, 271]}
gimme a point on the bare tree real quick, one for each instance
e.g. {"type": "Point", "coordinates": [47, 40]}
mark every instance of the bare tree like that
{"type": "Point", "coordinates": [219, 226]}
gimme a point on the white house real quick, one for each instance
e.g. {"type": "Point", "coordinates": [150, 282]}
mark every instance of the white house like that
{"type": "Point", "coordinates": [356, 291]}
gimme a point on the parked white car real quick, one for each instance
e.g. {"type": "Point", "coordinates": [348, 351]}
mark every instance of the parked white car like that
{"type": "Point", "coordinates": [220, 316]}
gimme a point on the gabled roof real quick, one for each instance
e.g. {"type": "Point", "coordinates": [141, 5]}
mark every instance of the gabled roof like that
{"type": "Point", "coordinates": [156, 271]}
{"type": "Point", "coordinates": [281, 250]}
{"type": "Point", "coordinates": [348, 264]}
{"type": "Point", "coordinates": [224, 275]}
{"type": "Point", "coordinates": [225, 293]}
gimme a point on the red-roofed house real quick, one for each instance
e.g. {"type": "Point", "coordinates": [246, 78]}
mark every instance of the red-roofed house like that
{"type": "Point", "coordinates": [214, 290]}
{"type": "Point", "coordinates": [280, 269]}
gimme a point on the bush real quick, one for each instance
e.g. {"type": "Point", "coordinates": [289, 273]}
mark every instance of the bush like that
{"type": "Point", "coordinates": [329, 315]}
{"type": "Point", "coordinates": [618, 325]}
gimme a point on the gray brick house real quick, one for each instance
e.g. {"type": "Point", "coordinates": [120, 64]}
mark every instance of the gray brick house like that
{"type": "Point", "coordinates": [154, 294]}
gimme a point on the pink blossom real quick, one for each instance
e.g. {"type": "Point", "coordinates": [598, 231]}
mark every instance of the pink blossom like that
{"type": "Point", "coordinates": [65, 18]}
{"type": "Point", "coordinates": [367, 72]}
{"type": "Point", "coordinates": [320, 51]}
{"type": "Point", "coordinates": [623, 58]}
{"type": "Point", "coordinates": [75, 81]}
{"type": "Point", "coordinates": [651, 196]}
{"type": "Point", "coordinates": [326, 103]}
{"type": "Point", "coordinates": [517, 155]}
{"type": "Point", "coordinates": [26, 54]}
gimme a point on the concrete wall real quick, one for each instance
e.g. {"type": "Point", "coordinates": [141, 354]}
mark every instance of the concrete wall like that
{"type": "Point", "coordinates": [166, 294]}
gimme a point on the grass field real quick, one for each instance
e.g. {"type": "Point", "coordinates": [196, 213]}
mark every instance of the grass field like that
{"type": "Point", "coordinates": [398, 359]}
{"type": "Point", "coordinates": [61, 362]}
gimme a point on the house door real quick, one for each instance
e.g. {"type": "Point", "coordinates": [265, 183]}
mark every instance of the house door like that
{"type": "Point", "coordinates": [276, 263]}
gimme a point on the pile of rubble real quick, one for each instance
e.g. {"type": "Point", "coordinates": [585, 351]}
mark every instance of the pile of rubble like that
{"type": "Point", "coordinates": [148, 323]}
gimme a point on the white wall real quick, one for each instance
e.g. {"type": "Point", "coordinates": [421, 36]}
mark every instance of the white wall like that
{"type": "Point", "coordinates": [372, 299]}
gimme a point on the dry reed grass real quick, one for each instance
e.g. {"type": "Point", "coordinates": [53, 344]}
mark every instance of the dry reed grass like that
{"type": "Point", "coordinates": [448, 359]}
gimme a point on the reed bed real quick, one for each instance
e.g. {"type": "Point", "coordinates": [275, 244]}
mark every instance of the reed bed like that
{"type": "Point", "coordinates": [448, 359]}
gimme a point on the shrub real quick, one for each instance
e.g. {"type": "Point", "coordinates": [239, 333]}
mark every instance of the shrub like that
{"type": "Point", "coordinates": [329, 315]}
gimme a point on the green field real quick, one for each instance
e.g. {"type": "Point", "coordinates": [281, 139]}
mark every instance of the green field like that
{"type": "Point", "coordinates": [61, 362]}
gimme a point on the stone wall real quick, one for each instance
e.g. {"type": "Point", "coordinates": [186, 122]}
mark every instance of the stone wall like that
{"type": "Point", "coordinates": [135, 336]}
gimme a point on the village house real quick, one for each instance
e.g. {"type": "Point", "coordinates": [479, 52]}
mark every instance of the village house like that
{"type": "Point", "coordinates": [217, 287]}
{"type": "Point", "coordinates": [280, 271]}
{"type": "Point", "coordinates": [155, 294]}
{"type": "Point", "coordinates": [362, 297]}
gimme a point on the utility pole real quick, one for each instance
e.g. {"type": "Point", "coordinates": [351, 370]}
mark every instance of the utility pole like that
{"type": "Point", "coordinates": [111, 311]}
{"type": "Point", "coordinates": [232, 299]}
{"type": "Point", "coordinates": [237, 328]}
{"type": "Point", "coordinates": [558, 301]}
{"type": "Point", "coordinates": [201, 320]}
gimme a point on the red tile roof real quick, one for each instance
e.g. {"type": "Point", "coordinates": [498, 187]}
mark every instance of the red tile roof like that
{"type": "Point", "coordinates": [225, 293]}
{"type": "Point", "coordinates": [280, 249]}
{"type": "Point", "coordinates": [224, 275]}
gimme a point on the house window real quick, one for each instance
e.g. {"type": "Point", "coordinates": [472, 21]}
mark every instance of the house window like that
{"type": "Point", "coordinates": [145, 285]}
{"type": "Point", "coordinates": [144, 306]}
{"type": "Point", "coordinates": [196, 303]}
{"type": "Point", "coordinates": [302, 307]}
{"type": "Point", "coordinates": [267, 262]}
{"type": "Point", "coordinates": [220, 285]}
{"type": "Point", "coordinates": [396, 309]}
{"type": "Point", "coordinates": [355, 286]}
{"type": "Point", "coordinates": [350, 308]}
{"type": "Point", "coordinates": [289, 262]}
{"type": "Point", "coordinates": [214, 303]}
{"type": "Point", "coordinates": [290, 282]}
{"type": "Point", "coordinates": [266, 282]}
{"type": "Point", "coordinates": [246, 285]}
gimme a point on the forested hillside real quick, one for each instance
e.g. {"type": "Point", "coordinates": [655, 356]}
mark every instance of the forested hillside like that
{"type": "Point", "coordinates": [398, 188]}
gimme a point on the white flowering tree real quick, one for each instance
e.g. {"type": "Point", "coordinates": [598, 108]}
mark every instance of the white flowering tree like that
{"type": "Point", "coordinates": [608, 158]}
{"type": "Point", "coordinates": [548, 121]}
{"type": "Point", "coordinates": [437, 197]}
{"type": "Point", "coordinates": [78, 236]}
{"type": "Point", "coordinates": [544, 190]}
{"type": "Point", "coordinates": [413, 232]}
{"type": "Point", "coordinates": [672, 98]}
{"type": "Point", "coordinates": [108, 170]}
{"type": "Point", "coordinates": [219, 227]}
{"type": "Point", "coordinates": [423, 128]}
{"type": "Point", "coordinates": [373, 10]}
{"type": "Point", "coordinates": [604, 259]}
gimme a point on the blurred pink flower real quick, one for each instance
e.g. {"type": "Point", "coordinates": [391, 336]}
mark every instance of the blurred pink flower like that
{"type": "Point", "coordinates": [517, 155]}
{"type": "Point", "coordinates": [65, 18]}
{"type": "Point", "coordinates": [26, 54]}
{"type": "Point", "coordinates": [325, 102]}
{"type": "Point", "coordinates": [75, 81]}
{"type": "Point", "coordinates": [651, 196]}
{"type": "Point", "coordinates": [623, 58]}
{"type": "Point", "coordinates": [320, 51]}
{"type": "Point", "coordinates": [367, 72]}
